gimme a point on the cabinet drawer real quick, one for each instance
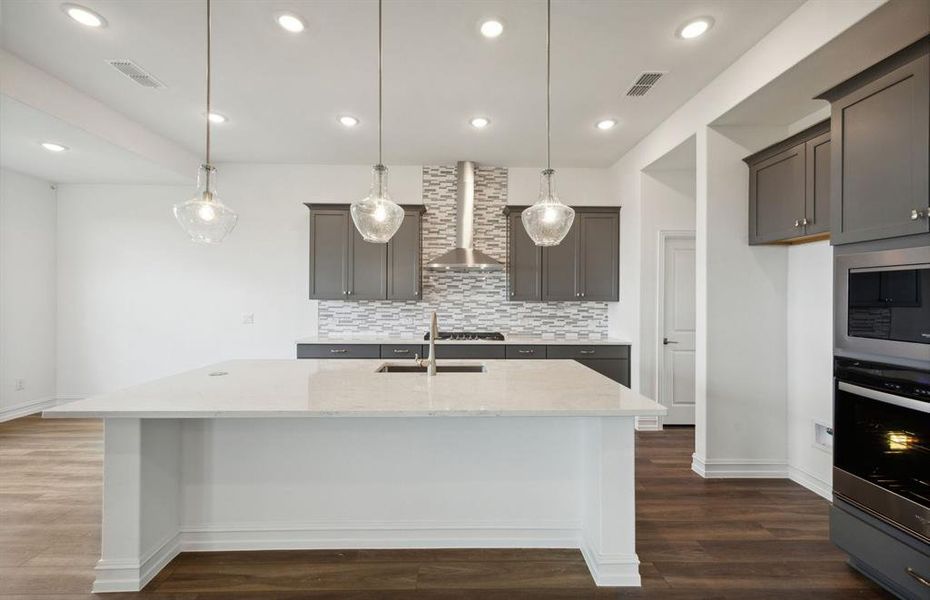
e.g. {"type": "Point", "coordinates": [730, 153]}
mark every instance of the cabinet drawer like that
{"type": "Point", "coordinates": [617, 369]}
{"type": "Point", "coordinates": [881, 555]}
{"type": "Point", "coordinates": [338, 351]}
{"type": "Point", "coordinates": [401, 350]}
{"type": "Point", "coordinates": [526, 351]}
{"type": "Point", "coordinates": [587, 351]}
{"type": "Point", "coordinates": [468, 350]}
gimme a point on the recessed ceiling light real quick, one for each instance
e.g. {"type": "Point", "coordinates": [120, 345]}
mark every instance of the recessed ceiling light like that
{"type": "Point", "coordinates": [290, 22]}
{"type": "Point", "coordinates": [492, 28]}
{"type": "Point", "coordinates": [348, 121]}
{"type": "Point", "coordinates": [606, 124]}
{"type": "Point", "coordinates": [84, 15]}
{"type": "Point", "coordinates": [695, 28]}
{"type": "Point", "coordinates": [53, 147]}
{"type": "Point", "coordinates": [480, 122]}
{"type": "Point", "coordinates": [216, 118]}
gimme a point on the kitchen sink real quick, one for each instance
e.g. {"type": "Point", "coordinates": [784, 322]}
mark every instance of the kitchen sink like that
{"type": "Point", "coordinates": [397, 368]}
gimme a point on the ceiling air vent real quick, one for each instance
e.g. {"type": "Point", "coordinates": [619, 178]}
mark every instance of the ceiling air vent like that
{"type": "Point", "coordinates": [644, 82]}
{"type": "Point", "coordinates": [135, 72]}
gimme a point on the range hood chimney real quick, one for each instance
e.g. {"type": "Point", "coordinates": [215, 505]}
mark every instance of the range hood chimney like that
{"type": "Point", "coordinates": [464, 257]}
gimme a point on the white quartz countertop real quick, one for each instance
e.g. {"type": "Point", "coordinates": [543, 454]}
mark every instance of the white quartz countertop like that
{"type": "Point", "coordinates": [512, 340]}
{"type": "Point", "coordinates": [353, 388]}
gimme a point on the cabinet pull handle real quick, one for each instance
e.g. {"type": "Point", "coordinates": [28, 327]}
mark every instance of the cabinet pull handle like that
{"type": "Point", "coordinates": [586, 352]}
{"type": "Point", "coordinates": [526, 351]}
{"type": "Point", "coordinates": [401, 351]}
{"type": "Point", "coordinates": [919, 214]}
{"type": "Point", "coordinates": [338, 350]}
{"type": "Point", "coordinates": [922, 580]}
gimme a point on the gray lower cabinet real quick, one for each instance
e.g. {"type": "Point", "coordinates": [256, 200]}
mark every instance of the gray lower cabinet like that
{"type": "Point", "coordinates": [343, 266]}
{"type": "Point", "coordinates": [609, 360]}
{"type": "Point", "coordinates": [585, 266]}
{"type": "Point", "coordinates": [789, 187]}
{"type": "Point", "coordinates": [881, 149]}
{"type": "Point", "coordinates": [898, 562]}
{"type": "Point", "coordinates": [338, 351]}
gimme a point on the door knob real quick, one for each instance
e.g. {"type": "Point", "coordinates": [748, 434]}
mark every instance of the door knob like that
{"type": "Point", "coordinates": [666, 342]}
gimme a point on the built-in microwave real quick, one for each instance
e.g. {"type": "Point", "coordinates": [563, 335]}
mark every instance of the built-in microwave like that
{"type": "Point", "coordinates": [882, 301]}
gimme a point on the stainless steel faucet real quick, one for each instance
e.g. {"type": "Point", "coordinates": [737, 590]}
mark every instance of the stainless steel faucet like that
{"type": "Point", "coordinates": [430, 362]}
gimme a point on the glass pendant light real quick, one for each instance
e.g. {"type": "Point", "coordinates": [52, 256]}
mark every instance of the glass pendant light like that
{"type": "Point", "coordinates": [376, 216]}
{"type": "Point", "coordinates": [204, 217]}
{"type": "Point", "coordinates": [547, 222]}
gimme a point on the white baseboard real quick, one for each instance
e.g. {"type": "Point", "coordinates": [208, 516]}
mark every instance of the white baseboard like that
{"type": "Point", "coordinates": [28, 408]}
{"type": "Point", "coordinates": [132, 576]}
{"type": "Point", "coordinates": [739, 468]}
{"type": "Point", "coordinates": [812, 482]}
{"type": "Point", "coordinates": [612, 570]}
{"type": "Point", "coordinates": [648, 424]}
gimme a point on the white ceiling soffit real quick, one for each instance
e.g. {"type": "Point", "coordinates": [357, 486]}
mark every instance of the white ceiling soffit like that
{"type": "Point", "coordinates": [70, 107]}
{"type": "Point", "coordinates": [790, 97]}
{"type": "Point", "coordinates": [283, 93]}
{"type": "Point", "coordinates": [682, 157]}
{"type": "Point", "coordinates": [88, 159]}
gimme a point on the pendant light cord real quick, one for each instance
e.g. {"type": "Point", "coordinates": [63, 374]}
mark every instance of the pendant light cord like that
{"type": "Point", "coordinates": [209, 77]}
{"type": "Point", "coordinates": [380, 68]}
{"type": "Point", "coordinates": [548, 85]}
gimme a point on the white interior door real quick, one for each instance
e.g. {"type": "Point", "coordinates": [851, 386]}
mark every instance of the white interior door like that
{"type": "Point", "coordinates": [676, 329]}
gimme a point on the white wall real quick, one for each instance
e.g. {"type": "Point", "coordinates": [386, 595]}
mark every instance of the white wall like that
{"type": "Point", "coordinates": [668, 205]}
{"type": "Point", "coordinates": [139, 301]}
{"type": "Point", "coordinates": [810, 362]}
{"type": "Point", "coordinates": [28, 217]}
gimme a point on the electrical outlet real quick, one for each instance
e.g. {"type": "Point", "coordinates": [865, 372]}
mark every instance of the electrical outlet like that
{"type": "Point", "coordinates": [19, 385]}
{"type": "Point", "coordinates": [248, 318]}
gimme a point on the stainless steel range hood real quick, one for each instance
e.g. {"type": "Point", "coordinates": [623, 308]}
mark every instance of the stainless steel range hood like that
{"type": "Point", "coordinates": [464, 257]}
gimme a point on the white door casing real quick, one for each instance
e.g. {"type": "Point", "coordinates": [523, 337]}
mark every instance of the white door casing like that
{"type": "Point", "coordinates": [675, 319]}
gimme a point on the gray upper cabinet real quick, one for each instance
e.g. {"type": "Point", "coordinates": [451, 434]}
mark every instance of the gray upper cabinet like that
{"type": "Point", "coordinates": [880, 157]}
{"type": "Point", "coordinates": [817, 209]}
{"type": "Point", "coordinates": [329, 253]}
{"type": "Point", "coordinates": [599, 272]}
{"type": "Point", "coordinates": [524, 262]}
{"type": "Point", "coordinates": [585, 266]}
{"type": "Point", "coordinates": [789, 184]}
{"type": "Point", "coordinates": [343, 266]}
{"type": "Point", "coordinates": [367, 262]}
{"type": "Point", "coordinates": [403, 258]}
{"type": "Point", "coordinates": [560, 267]}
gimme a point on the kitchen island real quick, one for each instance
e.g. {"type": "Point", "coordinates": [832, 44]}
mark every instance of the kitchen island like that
{"type": "Point", "coordinates": [298, 454]}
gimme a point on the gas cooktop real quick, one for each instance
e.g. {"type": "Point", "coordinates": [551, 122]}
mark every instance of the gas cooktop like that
{"type": "Point", "coordinates": [485, 336]}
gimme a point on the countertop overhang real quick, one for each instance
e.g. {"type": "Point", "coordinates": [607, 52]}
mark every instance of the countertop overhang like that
{"type": "Point", "coordinates": [354, 388]}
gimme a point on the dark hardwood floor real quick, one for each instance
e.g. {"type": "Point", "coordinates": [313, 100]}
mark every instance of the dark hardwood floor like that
{"type": "Point", "coordinates": [696, 538]}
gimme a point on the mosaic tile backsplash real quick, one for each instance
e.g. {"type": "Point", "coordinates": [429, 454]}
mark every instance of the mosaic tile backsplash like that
{"type": "Point", "coordinates": [464, 301]}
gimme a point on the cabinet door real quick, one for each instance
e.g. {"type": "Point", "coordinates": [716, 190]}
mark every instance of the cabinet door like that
{"type": "Point", "coordinates": [817, 205]}
{"type": "Point", "coordinates": [881, 134]}
{"type": "Point", "coordinates": [560, 267]}
{"type": "Point", "coordinates": [598, 256]}
{"type": "Point", "coordinates": [776, 197]}
{"type": "Point", "coordinates": [367, 268]}
{"type": "Point", "coordinates": [403, 257]}
{"type": "Point", "coordinates": [328, 254]}
{"type": "Point", "coordinates": [524, 266]}
{"type": "Point", "coordinates": [617, 369]}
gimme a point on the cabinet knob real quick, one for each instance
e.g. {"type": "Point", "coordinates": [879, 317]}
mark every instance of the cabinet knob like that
{"type": "Point", "coordinates": [797, 223]}
{"type": "Point", "coordinates": [919, 214]}
{"type": "Point", "coordinates": [805, 222]}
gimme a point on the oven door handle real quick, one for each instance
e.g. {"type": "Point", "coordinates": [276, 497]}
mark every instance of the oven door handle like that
{"type": "Point", "coordinates": [885, 397]}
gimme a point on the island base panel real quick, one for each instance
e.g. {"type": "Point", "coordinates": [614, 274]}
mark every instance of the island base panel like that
{"type": "Point", "coordinates": [184, 485]}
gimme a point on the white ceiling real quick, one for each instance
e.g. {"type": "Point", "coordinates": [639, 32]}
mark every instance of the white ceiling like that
{"type": "Point", "coordinates": [87, 160]}
{"type": "Point", "coordinates": [283, 92]}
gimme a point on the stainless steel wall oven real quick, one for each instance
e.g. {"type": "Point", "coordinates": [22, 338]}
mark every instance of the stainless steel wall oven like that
{"type": "Point", "coordinates": [881, 452]}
